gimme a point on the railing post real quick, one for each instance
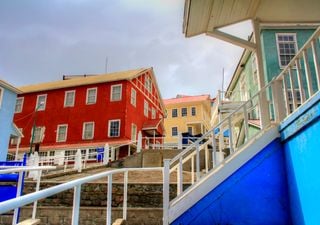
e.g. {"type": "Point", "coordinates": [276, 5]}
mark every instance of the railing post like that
{"type": "Point", "coordinates": [166, 191]}
{"type": "Point", "coordinates": [179, 177]}
{"type": "Point", "coordinates": [264, 109]}
{"type": "Point", "coordinates": [207, 158]}
{"type": "Point", "coordinates": [76, 205]}
{"type": "Point", "coordinates": [197, 162]}
{"type": "Point", "coordinates": [315, 61]}
{"type": "Point", "coordinates": [285, 93]}
{"type": "Point", "coordinates": [277, 96]}
{"type": "Point", "coordinates": [125, 195]}
{"type": "Point", "coordinates": [16, 210]}
{"type": "Point", "coordinates": [34, 211]}
{"type": "Point", "coordinates": [109, 199]}
{"type": "Point", "coordinates": [300, 83]}
{"type": "Point", "coordinates": [308, 73]}
{"type": "Point", "coordinates": [214, 149]}
{"type": "Point", "coordinates": [245, 122]}
{"type": "Point", "coordinates": [230, 135]}
{"type": "Point", "coordinates": [192, 169]}
{"type": "Point", "coordinates": [294, 100]}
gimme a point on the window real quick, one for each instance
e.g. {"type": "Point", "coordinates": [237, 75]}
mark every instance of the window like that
{"type": "Point", "coordinates": [146, 108]}
{"type": "Point", "coordinates": [193, 111]}
{"type": "Point", "coordinates": [190, 130]}
{"type": "Point", "coordinates": [1, 94]}
{"type": "Point", "coordinates": [62, 133]}
{"type": "Point", "coordinates": [92, 153]}
{"type": "Point", "coordinates": [287, 48]}
{"type": "Point", "coordinates": [88, 130]}
{"type": "Point", "coordinates": [153, 113]}
{"type": "Point", "coordinates": [133, 132]}
{"type": "Point", "coordinates": [297, 96]}
{"type": "Point", "coordinates": [38, 134]}
{"type": "Point", "coordinates": [174, 112]}
{"type": "Point", "coordinates": [116, 92]}
{"type": "Point", "coordinates": [114, 128]}
{"type": "Point", "coordinates": [148, 84]}
{"type": "Point", "coordinates": [174, 131]}
{"type": "Point", "coordinates": [41, 102]}
{"type": "Point", "coordinates": [14, 140]}
{"type": "Point", "coordinates": [133, 97]}
{"type": "Point", "coordinates": [91, 96]}
{"type": "Point", "coordinates": [69, 97]}
{"type": "Point", "coordinates": [184, 112]}
{"type": "Point", "coordinates": [19, 105]}
{"type": "Point", "coordinates": [70, 154]}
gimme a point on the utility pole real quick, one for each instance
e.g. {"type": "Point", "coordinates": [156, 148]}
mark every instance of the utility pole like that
{"type": "Point", "coordinates": [34, 126]}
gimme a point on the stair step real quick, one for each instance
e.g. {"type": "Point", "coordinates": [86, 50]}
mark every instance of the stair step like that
{"type": "Point", "coordinates": [29, 222]}
{"type": "Point", "coordinates": [119, 222]}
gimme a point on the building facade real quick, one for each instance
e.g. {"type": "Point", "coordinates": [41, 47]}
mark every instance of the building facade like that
{"type": "Point", "coordinates": [186, 114]}
{"type": "Point", "coordinates": [87, 112]}
{"type": "Point", "coordinates": [8, 95]}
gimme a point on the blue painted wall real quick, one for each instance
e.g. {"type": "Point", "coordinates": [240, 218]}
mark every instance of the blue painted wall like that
{"type": "Point", "coordinates": [6, 117]}
{"type": "Point", "coordinates": [255, 194]}
{"type": "Point", "coordinates": [301, 137]}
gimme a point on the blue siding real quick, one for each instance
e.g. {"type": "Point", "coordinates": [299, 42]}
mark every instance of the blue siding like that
{"type": "Point", "coordinates": [6, 117]}
{"type": "Point", "coordinates": [255, 194]}
{"type": "Point", "coordinates": [301, 143]}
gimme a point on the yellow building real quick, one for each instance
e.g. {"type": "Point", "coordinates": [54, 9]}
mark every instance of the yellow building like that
{"type": "Point", "coordinates": [186, 114]}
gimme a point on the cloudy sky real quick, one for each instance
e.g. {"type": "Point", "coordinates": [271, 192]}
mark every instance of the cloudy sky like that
{"type": "Point", "coordinates": [42, 40]}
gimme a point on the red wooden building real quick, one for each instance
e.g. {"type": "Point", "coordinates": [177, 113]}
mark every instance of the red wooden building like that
{"type": "Point", "coordinates": [86, 112]}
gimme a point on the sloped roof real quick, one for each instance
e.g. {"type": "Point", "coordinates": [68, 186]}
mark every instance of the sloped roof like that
{"type": "Point", "coordinates": [186, 99]}
{"type": "Point", "coordinates": [90, 79]}
{"type": "Point", "coordinates": [9, 87]}
{"type": "Point", "coordinates": [151, 124]}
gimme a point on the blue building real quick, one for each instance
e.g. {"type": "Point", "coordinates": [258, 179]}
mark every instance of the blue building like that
{"type": "Point", "coordinates": [8, 95]}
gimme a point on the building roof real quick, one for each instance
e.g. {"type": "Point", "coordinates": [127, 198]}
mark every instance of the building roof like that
{"type": "Point", "coordinates": [9, 87]}
{"type": "Point", "coordinates": [84, 80]}
{"type": "Point", "coordinates": [186, 99]}
{"type": "Point", "coordinates": [202, 16]}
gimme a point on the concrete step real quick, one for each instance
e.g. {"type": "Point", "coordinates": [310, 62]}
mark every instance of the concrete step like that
{"type": "Point", "coordinates": [119, 222]}
{"type": "Point", "coordinates": [29, 222]}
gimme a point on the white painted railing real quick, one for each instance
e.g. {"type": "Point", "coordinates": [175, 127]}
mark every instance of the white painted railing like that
{"type": "Point", "coordinates": [272, 104]}
{"type": "Point", "coordinates": [76, 185]}
{"type": "Point", "coordinates": [21, 170]}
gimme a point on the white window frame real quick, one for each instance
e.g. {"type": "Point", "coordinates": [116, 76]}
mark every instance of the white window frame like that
{"type": "Point", "coordinates": [112, 94]}
{"type": "Point", "coordinates": [294, 35]}
{"type": "Point", "coordinates": [172, 131]}
{"type": "Point", "coordinates": [14, 140]}
{"type": "Point", "coordinates": [36, 139]}
{"type": "Point", "coordinates": [21, 105]}
{"type": "Point", "coordinates": [133, 99]}
{"type": "Point", "coordinates": [109, 128]}
{"type": "Point", "coordinates": [133, 132]}
{"type": "Point", "coordinates": [65, 135]}
{"type": "Point", "coordinates": [153, 113]}
{"type": "Point", "coordinates": [84, 128]}
{"type": "Point", "coordinates": [65, 98]}
{"type": "Point", "coordinates": [43, 107]}
{"type": "Point", "coordinates": [1, 96]}
{"type": "Point", "coordinates": [146, 109]}
{"type": "Point", "coordinates": [95, 96]}
{"type": "Point", "coordinates": [148, 84]}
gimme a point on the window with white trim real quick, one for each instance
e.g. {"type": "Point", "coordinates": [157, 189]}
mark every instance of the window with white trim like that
{"type": "Point", "coordinates": [69, 98]}
{"type": "Point", "coordinates": [174, 131]}
{"type": "Point", "coordinates": [116, 92]}
{"type": "Point", "coordinates": [41, 102]}
{"type": "Point", "coordinates": [174, 113]}
{"type": "Point", "coordinates": [1, 96]}
{"type": "Point", "coordinates": [62, 131]}
{"type": "Point", "coordinates": [193, 111]}
{"type": "Point", "coordinates": [114, 128]}
{"type": "Point", "coordinates": [133, 99]}
{"type": "Point", "coordinates": [287, 47]}
{"type": "Point", "coordinates": [153, 113]}
{"type": "Point", "coordinates": [38, 134]}
{"type": "Point", "coordinates": [19, 105]}
{"type": "Point", "coordinates": [14, 140]}
{"type": "Point", "coordinates": [148, 84]}
{"type": "Point", "coordinates": [184, 112]}
{"type": "Point", "coordinates": [146, 108]}
{"type": "Point", "coordinates": [133, 132]}
{"type": "Point", "coordinates": [88, 130]}
{"type": "Point", "coordinates": [91, 96]}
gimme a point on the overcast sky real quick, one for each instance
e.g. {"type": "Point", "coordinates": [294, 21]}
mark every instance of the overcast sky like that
{"type": "Point", "coordinates": [42, 40]}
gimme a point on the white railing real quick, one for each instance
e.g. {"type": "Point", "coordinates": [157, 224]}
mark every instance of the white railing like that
{"type": "Point", "coordinates": [271, 104]}
{"type": "Point", "coordinates": [76, 185]}
{"type": "Point", "coordinates": [21, 170]}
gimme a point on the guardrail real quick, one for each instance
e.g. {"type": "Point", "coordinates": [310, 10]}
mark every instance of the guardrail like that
{"type": "Point", "coordinates": [272, 104]}
{"type": "Point", "coordinates": [76, 185]}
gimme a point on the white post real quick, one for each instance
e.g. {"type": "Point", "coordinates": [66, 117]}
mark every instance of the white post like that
{"type": "Point", "coordinates": [34, 211]}
{"type": "Point", "coordinates": [179, 177]}
{"type": "Point", "coordinates": [16, 210]}
{"type": "Point", "coordinates": [113, 155]}
{"type": "Point", "coordinates": [179, 141]}
{"type": "Point", "coordinates": [125, 195]}
{"type": "Point", "coordinates": [17, 148]}
{"type": "Point", "coordinates": [106, 154]}
{"type": "Point", "coordinates": [109, 199]}
{"type": "Point", "coordinates": [139, 145]}
{"type": "Point", "coordinates": [78, 161]}
{"type": "Point", "coordinates": [197, 162]}
{"type": "Point", "coordinates": [76, 205]}
{"type": "Point", "coordinates": [166, 191]}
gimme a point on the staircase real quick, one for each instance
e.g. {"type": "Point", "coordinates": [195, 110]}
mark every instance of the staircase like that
{"type": "Point", "coordinates": [260, 149]}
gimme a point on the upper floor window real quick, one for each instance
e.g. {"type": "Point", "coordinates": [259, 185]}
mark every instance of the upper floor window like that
{"type": "Point", "coordinates": [193, 111]}
{"type": "Point", "coordinates": [174, 131]}
{"type": "Point", "coordinates": [41, 102]}
{"type": "Point", "coordinates": [15, 140]}
{"type": "Point", "coordinates": [38, 134]}
{"type": "Point", "coordinates": [133, 132]}
{"type": "Point", "coordinates": [146, 108]}
{"type": "Point", "coordinates": [148, 84]}
{"type": "Point", "coordinates": [153, 113]}
{"type": "Point", "coordinates": [1, 95]}
{"type": "Point", "coordinates": [116, 92]}
{"type": "Point", "coordinates": [114, 128]}
{"type": "Point", "coordinates": [184, 112]}
{"type": "Point", "coordinates": [174, 112]}
{"type": "Point", "coordinates": [190, 130]}
{"type": "Point", "coordinates": [69, 97]}
{"type": "Point", "coordinates": [88, 130]}
{"type": "Point", "coordinates": [62, 133]}
{"type": "Point", "coordinates": [133, 99]}
{"type": "Point", "coordinates": [19, 105]}
{"type": "Point", "coordinates": [287, 48]}
{"type": "Point", "coordinates": [91, 96]}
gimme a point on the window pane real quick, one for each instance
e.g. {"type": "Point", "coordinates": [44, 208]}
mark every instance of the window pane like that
{"type": "Point", "coordinates": [91, 96]}
{"type": "Point", "coordinates": [114, 128]}
{"type": "Point", "coordinates": [133, 97]}
{"type": "Point", "coordinates": [174, 131]}
{"type": "Point", "coordinates": [116, 93]}
{"type": "Point", "coordinates": [88, 131]}
{"type": "Point", "coordinates": [69, 98]}
{"type": "Point", "coordinates": [18, 107]}
{"type": "Point", "coordinates": [184, 112]}
{"type": "Point", "coordinates": [174, 112]}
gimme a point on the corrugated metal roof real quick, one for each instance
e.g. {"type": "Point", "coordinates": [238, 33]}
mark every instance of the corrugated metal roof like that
{"type": "Point", "coordinates": [99, 78]}
{"type": "Point", "coordinates": [186, 99]}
